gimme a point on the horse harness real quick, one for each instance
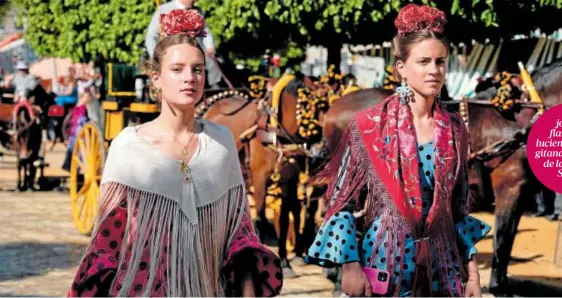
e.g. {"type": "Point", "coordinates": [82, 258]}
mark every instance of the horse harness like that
{"type": "Point", "coordinates": [507, 146]}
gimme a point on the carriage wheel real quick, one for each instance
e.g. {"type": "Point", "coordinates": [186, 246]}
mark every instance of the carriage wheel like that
{"type": "Point", "coordinates": [85, 176]}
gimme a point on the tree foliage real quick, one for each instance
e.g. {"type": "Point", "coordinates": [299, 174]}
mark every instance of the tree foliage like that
{"type": "Point", "coordinates": [86, 30]}
{"type": "Point", "coordinates": [5, 6]}
{"type": "Point", "coordinates": [247, 27]}
{"type": "Point", "coordinates": [115, 29]}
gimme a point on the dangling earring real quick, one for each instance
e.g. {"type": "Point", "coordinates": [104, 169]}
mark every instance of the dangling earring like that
{"type": "Point", "coordinates": [405, 92]}
{"type": "Point", "coordinates": [159, 94]}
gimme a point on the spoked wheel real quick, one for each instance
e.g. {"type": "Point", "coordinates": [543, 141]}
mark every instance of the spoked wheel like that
{"type": "Point", "coordinates": [86, 168]}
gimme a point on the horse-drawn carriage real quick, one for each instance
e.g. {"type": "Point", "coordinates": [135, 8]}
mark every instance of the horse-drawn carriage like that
{"type": "Point", "coordinates": [127, 101]}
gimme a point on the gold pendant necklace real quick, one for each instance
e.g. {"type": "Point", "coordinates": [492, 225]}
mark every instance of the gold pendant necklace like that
{"type": "Point", "coordinates": [184, 151]}
{"type": "Point", "coordinates": [184, 167]}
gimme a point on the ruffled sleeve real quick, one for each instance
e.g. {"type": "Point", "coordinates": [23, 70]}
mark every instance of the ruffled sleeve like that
{"type": "Point", "coordinates": [98, 267]}
{"type": "Point", "coordinates": [246, 255]}
{"type": "Point", "coordinates": [469, 230]}
{"type": "Point", "coordinates": [335, 243]}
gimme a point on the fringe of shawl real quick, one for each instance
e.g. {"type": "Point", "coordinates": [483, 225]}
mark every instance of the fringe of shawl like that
{"type": "Point", "coordinates": [158, 229]}
{"type": "Point", "coordinates": [351, 159]}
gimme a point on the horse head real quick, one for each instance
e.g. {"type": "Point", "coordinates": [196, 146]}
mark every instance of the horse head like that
{"type": "Point", "coordinates": [27, 131]}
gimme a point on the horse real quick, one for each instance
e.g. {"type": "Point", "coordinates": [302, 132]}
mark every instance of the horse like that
{"type": "Point", "coordinates": [27, 143]}
{"type": "Point", "coordinates": [507, 173]}
{"type": "Point", "coordinates": [246, 118]}
{"type": "Point", "coordinates": [342, 111]}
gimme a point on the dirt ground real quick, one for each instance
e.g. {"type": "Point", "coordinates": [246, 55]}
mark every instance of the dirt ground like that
{"type": "Point", "coordinates": [40, 248]}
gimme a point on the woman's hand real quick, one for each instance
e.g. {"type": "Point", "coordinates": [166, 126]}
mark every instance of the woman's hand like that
{"type": "Point", "coordinates": [248, 287]}
{"type": "Point", "coordinates": [354, 282]}
{"type": "Point", "coordinates": [473, 288]}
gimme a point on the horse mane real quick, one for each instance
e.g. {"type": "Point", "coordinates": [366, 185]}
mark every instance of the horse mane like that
{"type": "Point", "coordinates": [204, 106]}
{"type": "Point", "coordinates": [485, 92]}
{"type": "Point", "coordinates": [296, 84]}
{"type": "Point", "coordinates": [545, 76]}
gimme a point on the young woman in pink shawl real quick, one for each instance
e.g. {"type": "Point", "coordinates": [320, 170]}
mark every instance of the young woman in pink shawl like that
{"type": "Point", "coordinates": [398, 200]}
{"type": "Point", "coordinates": [174, 218]}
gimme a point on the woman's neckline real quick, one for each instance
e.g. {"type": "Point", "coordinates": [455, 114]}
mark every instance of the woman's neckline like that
{"type": "Point", "coordinates": [425, 143]}
{"type": "Point", "coordinates": [201, 137]}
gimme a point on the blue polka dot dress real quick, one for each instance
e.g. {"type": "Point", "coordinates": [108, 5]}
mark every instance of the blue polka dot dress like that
{"type": "Point", "coordinates": [336, 242]}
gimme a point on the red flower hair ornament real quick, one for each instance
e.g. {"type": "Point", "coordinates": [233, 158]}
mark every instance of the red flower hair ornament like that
{"type": "Point", "coordinates": [412, 18]}
{"type": "Point", "coordinates": [183, 21]}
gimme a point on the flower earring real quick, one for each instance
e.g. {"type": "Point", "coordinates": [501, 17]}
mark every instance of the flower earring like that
{"type": "Point", "coordinates": [405, 92]}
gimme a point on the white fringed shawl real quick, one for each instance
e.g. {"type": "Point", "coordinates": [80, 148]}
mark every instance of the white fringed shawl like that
{"type": "Point", "coordinates": [194, 220]}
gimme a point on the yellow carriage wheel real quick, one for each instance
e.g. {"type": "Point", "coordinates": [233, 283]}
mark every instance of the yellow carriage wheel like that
{"type": "Point", "coordinates": [86, 168]}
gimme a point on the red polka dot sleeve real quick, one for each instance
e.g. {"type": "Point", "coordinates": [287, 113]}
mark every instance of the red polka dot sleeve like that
{"type": "Point", "coordinates": [246, 255]}
{"type": "Point", "coordinates": [99, 265]}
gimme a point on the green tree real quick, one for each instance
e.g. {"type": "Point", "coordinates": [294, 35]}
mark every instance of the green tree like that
{"type": "Point", "coordinates": [247, 27]}
{"type": "Point", "coordinates": [114, 30]}
{"type": "Point", "coordinates": [86, 30]}
{"type": "Point", "coordinates": [5, 6]}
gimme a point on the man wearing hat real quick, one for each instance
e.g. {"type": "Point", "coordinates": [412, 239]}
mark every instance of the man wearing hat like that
{"type": "Point", "coordinates": [207, 42]}
{"type": "Point", "coordinates": [23, 82]}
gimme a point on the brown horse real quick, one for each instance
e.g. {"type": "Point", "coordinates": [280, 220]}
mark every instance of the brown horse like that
{"type": "Point", "coordinates": [27, 143]}
{"type": "Point", "coordinates": [509, 174]}
{"type": "Point", "coordinates": [241, 116]}
{"type": "Point", "coordinates": [233, 110]}
{"type": "Point", "coordinates": [342, 111]}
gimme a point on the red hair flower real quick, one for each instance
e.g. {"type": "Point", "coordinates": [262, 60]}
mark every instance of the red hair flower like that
{"type": "Point", "coordinates": [412, 18]}
{"type": "Point", "coordinates": [183, 21]}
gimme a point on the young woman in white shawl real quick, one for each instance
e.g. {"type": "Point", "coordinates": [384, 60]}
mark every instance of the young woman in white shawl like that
{"type": "Point", "coordinates": [174, 218]}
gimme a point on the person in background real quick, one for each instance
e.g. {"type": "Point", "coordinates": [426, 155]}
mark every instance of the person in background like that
{"type": "Point", "coordinates": [87, 93]}
{"type": "Point", "coordinates": [265, 63]}
{"type": "Point", "coordinates": [275, 70]}
{"type": "Point", "coordinates": [67, 91]}
{"type": "Point", "coordinates": [557, 214]}
{"type": "Point", "coordinates": [23, 82]}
